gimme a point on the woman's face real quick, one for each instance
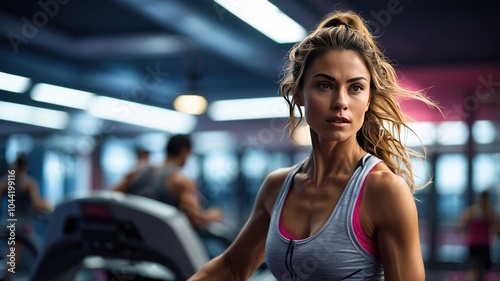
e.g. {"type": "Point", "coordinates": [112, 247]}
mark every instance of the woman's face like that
{"type": "Point", "coordinates": [336, 94]}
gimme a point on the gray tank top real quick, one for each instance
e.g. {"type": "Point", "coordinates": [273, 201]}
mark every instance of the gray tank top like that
{"type": "Point", "coordinates": [333, 253]}
{"type": "Point", "coordinates": [151, 182]}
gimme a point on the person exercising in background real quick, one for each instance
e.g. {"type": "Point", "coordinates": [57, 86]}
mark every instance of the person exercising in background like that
{"type": "Point", "coordinates": [167, 184]}
{"type": "Point", "coordinates": [27, 193]}
{"type": "Point", "coordinates": [27, 197]}
{"type": "Point", "coordinates": [480, 221]}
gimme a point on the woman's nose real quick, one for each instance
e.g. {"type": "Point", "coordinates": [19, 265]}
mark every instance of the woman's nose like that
{"type": "Point", "coordinates": [339, 99]}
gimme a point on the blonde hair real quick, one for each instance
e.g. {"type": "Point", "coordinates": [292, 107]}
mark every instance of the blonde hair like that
{"type": "Point", "coordinates": [384, 121]}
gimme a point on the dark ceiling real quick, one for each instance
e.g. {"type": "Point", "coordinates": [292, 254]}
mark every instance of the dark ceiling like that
{"type": "Point", "coordinates": [451, 48]}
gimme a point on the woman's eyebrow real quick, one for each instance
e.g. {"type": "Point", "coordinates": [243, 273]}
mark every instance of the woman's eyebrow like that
{"type": "Point", "coordinates": [328, 77]}
{"type": "Point", "coordinates": [357, 79]}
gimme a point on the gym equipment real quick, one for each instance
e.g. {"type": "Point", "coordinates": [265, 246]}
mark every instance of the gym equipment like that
{"type": "Point", "coordinates": [115, 226]}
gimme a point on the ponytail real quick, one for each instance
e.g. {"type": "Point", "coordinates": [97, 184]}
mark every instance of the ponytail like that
{"type": "Point", "coordinates": [350, 20]}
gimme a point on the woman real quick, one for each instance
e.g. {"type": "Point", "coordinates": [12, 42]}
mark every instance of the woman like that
{"type": "Point", "coordinates": [480, 222]}
{"type": "Point", "coordinates": [308, 221]}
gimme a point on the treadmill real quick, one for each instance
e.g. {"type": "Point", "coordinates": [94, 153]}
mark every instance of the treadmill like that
{"type": "Point", "coordinates": [126, 236]}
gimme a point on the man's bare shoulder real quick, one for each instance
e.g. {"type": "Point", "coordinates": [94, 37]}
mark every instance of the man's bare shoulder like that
{"type": "Point", "coordinates": [179, 180]}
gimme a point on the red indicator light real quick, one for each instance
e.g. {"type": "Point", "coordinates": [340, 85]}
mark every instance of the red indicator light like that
{"type": "Point", "coordinates": [95, 210]}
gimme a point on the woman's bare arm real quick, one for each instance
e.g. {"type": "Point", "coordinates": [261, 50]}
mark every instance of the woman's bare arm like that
{"type": "Point", "coordinates": [246, 253]}
{"type": "Point", "coordinates": [394, 216]}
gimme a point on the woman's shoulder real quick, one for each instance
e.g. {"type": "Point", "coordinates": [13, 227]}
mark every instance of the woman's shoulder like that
{"type": "Point", "coordinates": [382, 179]}
{"type": "Point", "coordinates": [279, 175]}
{"type": "Point", "coordinates": [386, 193]}
{"type": "Point", "coordinates": [272, 185]}
{"type": "Point", "coordinates": [383, 185]}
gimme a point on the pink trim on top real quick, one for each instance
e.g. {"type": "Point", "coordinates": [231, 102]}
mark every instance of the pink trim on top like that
{"type": "Point", "coordinates": [284, 232]}
{"type": "Point", "coordinates": [361, 236]}
{"type": "Point", "coordinates": [281, 227]}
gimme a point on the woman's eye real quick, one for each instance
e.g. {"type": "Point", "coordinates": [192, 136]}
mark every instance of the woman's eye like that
{"type": "Point", "coordinates": [324, 86]}
{"type": "Point", "coordinates": [356, 88]}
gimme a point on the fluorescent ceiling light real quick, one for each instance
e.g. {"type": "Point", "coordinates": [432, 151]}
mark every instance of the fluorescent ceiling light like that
{"type": "Point", "coordinates": [33, 115]}
{"type": "Point", "coordinates": [266, 18]}
{"type": "Point", "coordinates": [141, 115]}
{"type": "Point", "coordinates": [243, 109]}
{"type": "Point", "coordinates": [61, 96]}
{"type": "Point", "coordinates": [13, 83]}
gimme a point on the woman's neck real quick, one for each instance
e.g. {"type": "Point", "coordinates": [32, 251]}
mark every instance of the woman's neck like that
{"type": "Point", "coordinates": [332, 159]}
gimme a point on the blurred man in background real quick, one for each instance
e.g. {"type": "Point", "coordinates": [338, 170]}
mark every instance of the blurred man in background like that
{"type": "Point", "coordinates": [167, 184]}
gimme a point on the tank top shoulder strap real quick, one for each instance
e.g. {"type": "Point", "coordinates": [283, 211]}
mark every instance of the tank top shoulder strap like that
{"type": "Point", "coordinates": [363, 168]}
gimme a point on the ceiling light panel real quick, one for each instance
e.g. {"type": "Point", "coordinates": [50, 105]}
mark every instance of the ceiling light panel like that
{"type": "Point", "coordinates": [141, 115]}
{"type": "Point", "coordinates": [13, 83]}
{"type": "Point", "coordinates": [61, 96]}
{"type": "Point", "coordinates": [267, 19]}
{"type": "Point", "coordinates": [244, 109]}
{"type": "Point", "coordinates": [33, 115]}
